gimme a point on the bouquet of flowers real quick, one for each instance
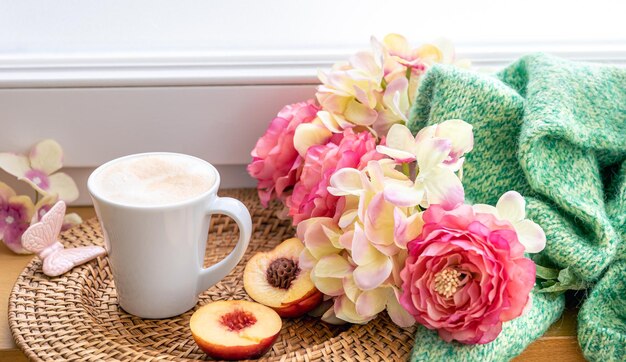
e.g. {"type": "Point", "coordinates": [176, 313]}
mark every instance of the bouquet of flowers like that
{"type": "Point", "coordinates": [381, 212]}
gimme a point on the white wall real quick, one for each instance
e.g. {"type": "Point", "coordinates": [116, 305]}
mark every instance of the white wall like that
{"type": "Point", "coordinates": [108, 78]}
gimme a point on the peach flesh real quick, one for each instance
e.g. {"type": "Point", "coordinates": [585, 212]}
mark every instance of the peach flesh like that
{"type": "Point", "coordinates": [273, 278]}
{"type": "Point", "coordinates": [234, 330]}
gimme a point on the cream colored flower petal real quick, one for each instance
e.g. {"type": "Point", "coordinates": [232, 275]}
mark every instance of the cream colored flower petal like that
{"type": "Point", "coordinates": [446, 49]}
{"type": "Point", "coordinates": [363, 252]}
{"type": "Point", "coordinates": [16, 165]}
{"type": "Point", "coordinates": [396, 97]}
{"type": "Point", "coordinates": [309, 134]}
{"type": "Point", "coordinates": [306, 261]}
{"type": "Point", "coordinates": [64, 186]}
{"type": "Point", "coordinates": [486, 209]}
{"type": "Point", "coordinates": [348, 218]}
{"type": "Point", "coordinates": [430, 54]}
{"type": "Point", "coordinates": [328, 286]}
{"type": "Point", "coordinates": [396, 312]}
{"type": "Point", "coordinates": [512, 206]}
{"type": "Point", "coordinates": [444, 187]}
{"type": "Point", "coordinates": [46, 156]}
{"type": "Point", "coordinates": [371, 302]}
{"type": "Point", "coordinates": [397, 44]}
{"type": "Point", "coordinates": [312, 234]}
{"type": "Point", "coordinates": [331, 101]}
{"type": "Point", "coordinates": [360, 114]}
{"type": "Point", "coordinates": [6, 191]}
{"type": "Point", "coordinates": [366, 96]}
{"type": "Point", "coordinates": [72, 219]}
{"type": "Point", "coordinates": [372, 275]}
{"type": "Point", "coordinates": [350, 288]}
{"type": "Point", "coordinates": [459, 133]}
{"type": "Point", "coordinates": [401, 138]}
{"type": "Point", "coordinates": [406, 228]}
{"type": "Point", "coordinates": [329, 121]}
{"type": "Point", "coordinates": [345, 309]}
{"type": "Point", "coordinates": [379, 221]}
{"type": "Point", "coordinates": [431, 152]}
{"type": "Point", "coordinates": [332, 235]}
{"type": "Point", "coordinates": [396, 154]}
{"type": "Point", "coordinates": [404, 196]}
{"type": "Point", "coordinates": [530, 235]}
{"type": "Point", "coordinates": [330, 317]}
{"type": "Point", "coordinates": [332, 266]}
{"type": "Point", "coordinates": [346, 181]}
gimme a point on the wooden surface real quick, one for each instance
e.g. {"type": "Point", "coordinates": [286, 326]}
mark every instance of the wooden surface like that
{"type": "Point", "coordinates": [559, 343]}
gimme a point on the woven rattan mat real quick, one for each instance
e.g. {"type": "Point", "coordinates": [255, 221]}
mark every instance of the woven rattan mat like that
{"type": "Point", "coordinates": [76, 316]}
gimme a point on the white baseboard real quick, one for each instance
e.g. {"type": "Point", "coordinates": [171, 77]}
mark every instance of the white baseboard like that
{"type": "Point", "coordinates": [211, 106]}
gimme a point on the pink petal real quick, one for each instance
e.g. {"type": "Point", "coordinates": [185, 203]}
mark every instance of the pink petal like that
{"type": "Point", "coordinates": [403, 196]}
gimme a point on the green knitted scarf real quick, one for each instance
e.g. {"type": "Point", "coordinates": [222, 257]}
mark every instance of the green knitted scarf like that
{"type": "Point", "coordinates": [555, 131]}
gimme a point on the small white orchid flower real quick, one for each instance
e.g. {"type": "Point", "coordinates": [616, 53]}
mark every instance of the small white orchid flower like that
{"type": "Point", "coordinates": [512, 207]}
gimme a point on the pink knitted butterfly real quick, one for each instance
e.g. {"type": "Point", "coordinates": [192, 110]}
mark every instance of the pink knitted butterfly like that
{"type": "Point", "coordinates": [41, 238]}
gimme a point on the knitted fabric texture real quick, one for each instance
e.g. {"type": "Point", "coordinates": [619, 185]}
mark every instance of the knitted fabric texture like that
{"type": "Point", "coordinates": [555, 131]}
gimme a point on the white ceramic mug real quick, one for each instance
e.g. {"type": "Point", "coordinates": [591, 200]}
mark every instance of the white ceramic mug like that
{"type": "Point", "coordinates": [156, 252]}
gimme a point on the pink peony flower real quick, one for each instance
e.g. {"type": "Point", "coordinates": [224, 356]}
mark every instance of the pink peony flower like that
{"type": "Point", "coordinates": [310, 197]}
{"type": "Point", "coordinates": [275, 161]}
{"type": "Point", "coordinates": [466, 274]}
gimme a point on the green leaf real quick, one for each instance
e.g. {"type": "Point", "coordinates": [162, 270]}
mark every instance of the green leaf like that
{"type": "Point", "coordinates": [566, 280]}
{"type": "Point", "coordinates": [546, 273]}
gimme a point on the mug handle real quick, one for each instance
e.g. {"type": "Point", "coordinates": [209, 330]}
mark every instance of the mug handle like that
{"type": "Point", "coordinates": [238, 212]}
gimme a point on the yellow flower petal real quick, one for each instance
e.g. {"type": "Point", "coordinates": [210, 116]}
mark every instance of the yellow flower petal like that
{"type": "Point", "coordinates": [332, 266]}
{"type": "Point", "coordinates": [46, 156]}
{"type": "Point", "coordinates": [309, 134]}
{"type": "Point", "coordinates": [16, 165]}
{"type": "Point", "coordinates": [371, 302]}
{"type": "Point", "coordinates": [6, 191]}
{"type": "Point", "coordinates": [63, 185]}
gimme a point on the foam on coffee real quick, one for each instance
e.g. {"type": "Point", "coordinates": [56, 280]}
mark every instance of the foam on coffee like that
{"type": "Point", "coordinates": [154, 180]}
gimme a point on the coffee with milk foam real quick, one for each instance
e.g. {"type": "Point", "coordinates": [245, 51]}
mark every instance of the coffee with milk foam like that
{"type": "Point", "coordinates": [154, 180]}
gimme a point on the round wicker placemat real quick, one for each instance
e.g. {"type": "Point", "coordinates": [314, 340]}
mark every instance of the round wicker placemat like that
{"type": "Point", "coordinates": [76, 316]}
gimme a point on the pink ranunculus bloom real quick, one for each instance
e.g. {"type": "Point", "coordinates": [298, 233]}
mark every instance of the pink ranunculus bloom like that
{"type": "Point", "coordinates": [466, 274]}
{"type": "Point", "coordinates": [275, 161]}
{"type": "Point", "coordinates": [310, 197]}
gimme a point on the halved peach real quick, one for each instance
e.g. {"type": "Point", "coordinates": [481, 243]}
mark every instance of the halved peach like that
{"type": "Point", "coordinates": [274, 279]}
{"type": "Point", "coordinates": [235, 329]}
